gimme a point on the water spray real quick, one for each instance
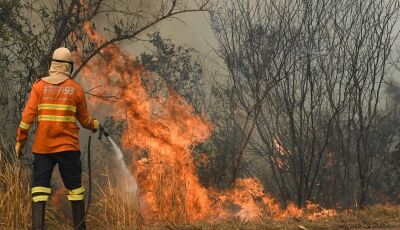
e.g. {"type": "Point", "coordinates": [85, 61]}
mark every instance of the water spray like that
{"type": "Point", "coordinates": [131, 185]}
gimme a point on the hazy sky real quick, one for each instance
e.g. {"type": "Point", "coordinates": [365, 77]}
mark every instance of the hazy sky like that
{"type": "Point", "coordinates": [195, 31]}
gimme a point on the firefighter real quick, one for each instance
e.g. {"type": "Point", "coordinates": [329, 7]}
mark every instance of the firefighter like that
{"type": "Point", "coordinates": [56, 102]}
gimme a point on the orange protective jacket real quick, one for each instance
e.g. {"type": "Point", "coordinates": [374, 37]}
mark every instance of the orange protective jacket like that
{"type": "Point", "coordinates": [56, 108]}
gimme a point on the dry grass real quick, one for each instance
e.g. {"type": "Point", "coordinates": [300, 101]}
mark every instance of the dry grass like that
{"type": "Point", "coordinates": [112, 209]}
{"type": "Point", "coordinates": [15, 199]}
{"type": "Point", "coordinates": [374, 217]}
{"type": "Point", "coordinates": [109, 211]}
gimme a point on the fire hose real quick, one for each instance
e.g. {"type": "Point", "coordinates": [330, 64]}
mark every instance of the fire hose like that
{"type": "Point", "coordinates": [102, 132]}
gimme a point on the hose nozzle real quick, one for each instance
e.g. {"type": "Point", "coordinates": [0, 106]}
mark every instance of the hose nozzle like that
{"type": "Point", "coordinates": [102, 132]}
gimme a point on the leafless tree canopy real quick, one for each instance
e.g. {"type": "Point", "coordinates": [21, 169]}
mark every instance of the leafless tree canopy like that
{"type": "Point", "coordinates": [308, 78]}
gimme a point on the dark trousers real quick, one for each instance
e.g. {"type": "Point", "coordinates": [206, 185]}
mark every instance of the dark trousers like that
{"type": "Point", "coordinates": [70, 167]}
{"type": "Point", "coordinates": [69, 164]}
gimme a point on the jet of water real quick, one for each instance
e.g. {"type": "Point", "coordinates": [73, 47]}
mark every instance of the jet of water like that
{"type": "Point", "coordinates": [125, 177]}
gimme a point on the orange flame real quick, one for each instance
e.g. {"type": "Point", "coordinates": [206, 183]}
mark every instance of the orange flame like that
{"type": "Point", "coordinates": [165, 130]}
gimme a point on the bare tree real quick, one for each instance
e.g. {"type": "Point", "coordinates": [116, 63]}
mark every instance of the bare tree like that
{"type": "Point", "coordinates": [370, 46]}
{"type": "Point", "coordinates": [308, 77]}
{"type": "Point", "coordinates": [251, 44]}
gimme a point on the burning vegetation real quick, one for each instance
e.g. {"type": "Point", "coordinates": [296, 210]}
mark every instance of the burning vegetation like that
{"type": "Point", "coordinates": [161, 132]}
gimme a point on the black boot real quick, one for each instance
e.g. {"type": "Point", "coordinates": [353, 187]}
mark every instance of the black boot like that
{"type": "Point", "coordinates": [38, 210]}
{"type": "Point", "coordinates": [78, 213]}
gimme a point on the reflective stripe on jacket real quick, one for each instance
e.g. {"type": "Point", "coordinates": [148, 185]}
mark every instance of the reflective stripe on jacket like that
{"type": "Point", "coordinates": [56, 108]}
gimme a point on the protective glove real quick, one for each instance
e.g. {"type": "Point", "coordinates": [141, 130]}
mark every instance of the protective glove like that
{"type": "Point", "coordinates": [18, 148]}
{"type": "Point", "coordinates": [96, 125]}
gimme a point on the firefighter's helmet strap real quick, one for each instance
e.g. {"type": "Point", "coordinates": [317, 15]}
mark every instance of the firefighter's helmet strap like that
{"type": "Point", "coordinates": [69, 62]}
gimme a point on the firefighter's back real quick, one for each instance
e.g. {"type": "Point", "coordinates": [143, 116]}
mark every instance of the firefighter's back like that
{"type": "Point", "coordinates": [57, 108]}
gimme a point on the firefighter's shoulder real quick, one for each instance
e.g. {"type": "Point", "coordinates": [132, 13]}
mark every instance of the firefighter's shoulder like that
{"type": "Point", "coordinates": [37, 82]}
{"type": "Point", "coordinates": [75, 84]}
